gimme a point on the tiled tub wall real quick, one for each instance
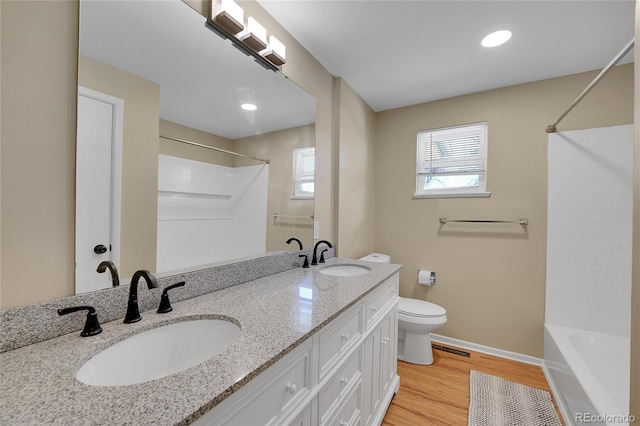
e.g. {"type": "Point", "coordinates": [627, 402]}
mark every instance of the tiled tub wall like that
{"type": "Point", "coordinates": [35, 323]}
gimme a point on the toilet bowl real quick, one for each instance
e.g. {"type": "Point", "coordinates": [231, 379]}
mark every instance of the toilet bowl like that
{"type": "Point", "coordinates": [416, 320]}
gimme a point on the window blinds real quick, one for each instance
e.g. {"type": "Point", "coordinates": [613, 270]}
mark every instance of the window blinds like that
{"type": "Point", "coordinates": [452, 151]}
{"type": "Point", "coordinates": [305, 166]}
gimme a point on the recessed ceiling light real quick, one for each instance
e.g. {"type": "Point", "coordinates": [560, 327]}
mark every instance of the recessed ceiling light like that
{"type": "Point", "coordinates": [496, 38]}
{"type": "Point", "coordinates": [249, 107]}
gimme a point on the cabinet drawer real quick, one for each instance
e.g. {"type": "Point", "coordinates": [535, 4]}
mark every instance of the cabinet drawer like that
{"type": "Point", "coordinates": [338, 385]}
{"type": "Point", "coordinates": [377, 301]}
{"type": "Point", "coordinates": [338, 338]}
{"type": "Point", "coordinates": [275, 396]}
{"type": "Point", "coordinates": [302, 419]}
{"type": "Point", "coordinates": [349, 414]}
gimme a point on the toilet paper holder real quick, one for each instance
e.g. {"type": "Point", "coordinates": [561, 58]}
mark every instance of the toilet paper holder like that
{"type": "Point", "coordinates": [426, 277]}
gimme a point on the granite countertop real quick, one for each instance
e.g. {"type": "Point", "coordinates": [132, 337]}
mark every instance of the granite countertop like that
{"type": "Point", "coordinates": [38, 384]}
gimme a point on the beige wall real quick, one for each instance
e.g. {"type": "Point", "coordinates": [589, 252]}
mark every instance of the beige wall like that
{"type": "Point", "coordinates": [177, 149]}
{"type": "Point", "coordinates": [139, 208]}
{"type": "Point", "coordinates": [278, 148]}
{"type": "Point", "coordinates": [490, 278]}
{"type": "Point", "coordinates": [39, 87]}
{"type": "Point", "coordinates": [356, 140]}
{"type": "Point", "coordinates": [635, 295]}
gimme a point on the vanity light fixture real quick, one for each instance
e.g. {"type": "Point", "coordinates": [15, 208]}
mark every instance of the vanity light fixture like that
{"type": "Point", "coordinates": [249, 107]}
{"type": "Point", "coordinates": [496, 38]}
{"type": "Point", "coordinates": [275, 52]}
{"type": "Point", "coordinates": [255, 35]}
{"type": "Point", "coordinates": [228, 14]}
{"type": "Point", "coordinates": [251, 41]}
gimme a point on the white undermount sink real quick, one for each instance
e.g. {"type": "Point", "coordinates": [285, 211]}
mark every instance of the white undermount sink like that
{"type": "Point", "coordinates": [158, 352]}
{"type": "Point", "coordinates": [345, 270]}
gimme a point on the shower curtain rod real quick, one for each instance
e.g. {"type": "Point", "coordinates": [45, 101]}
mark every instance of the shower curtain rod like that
{"type": "Point", "coordinates": [214, 148]}
{"type": "Point", "coordinates": [627, 47]}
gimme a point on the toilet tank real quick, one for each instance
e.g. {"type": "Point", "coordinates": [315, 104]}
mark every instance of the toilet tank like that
{"type": "Point", "coordinates": [377, 257]}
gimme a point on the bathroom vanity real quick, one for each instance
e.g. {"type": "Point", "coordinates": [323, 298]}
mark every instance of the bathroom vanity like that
{"type": "Point", "coordinates": [313, 349]}
{"type": "Point", "coordinates": [345, 374]}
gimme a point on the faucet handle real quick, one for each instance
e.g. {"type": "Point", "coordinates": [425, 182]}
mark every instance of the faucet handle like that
{"type": "Point", "coordinates": [91, 325]}
{"type": "Point", "coordinates": [322, 256]}
{"type": "Point", "coordinates": [165, 304]}
{"type": "Point", "coordinates": [306, 260]}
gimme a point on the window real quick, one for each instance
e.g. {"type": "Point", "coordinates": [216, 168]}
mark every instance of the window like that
{"type": "Point", "coordinates": [304, 167]}
{"type": "Point", "coordinates": [451, 162]}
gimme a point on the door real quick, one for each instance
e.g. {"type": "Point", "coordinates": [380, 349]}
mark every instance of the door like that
{"type": "Point", "coordinates": [98, 155]}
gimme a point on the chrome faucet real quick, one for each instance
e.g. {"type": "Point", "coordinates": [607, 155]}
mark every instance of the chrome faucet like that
{"type": "Point", "coordinates": [314, 259]}
{"type": "Point", "coordinates": [133, 313]}
{"type": "Point", "coordinates": [296, 240]}
{"type": "Point", "coordinates": [102, 267]}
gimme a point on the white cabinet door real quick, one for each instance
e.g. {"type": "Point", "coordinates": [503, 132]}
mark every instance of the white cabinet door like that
{"type": "Point", "coordinates": [380, 350]}
{"type": "Point", "coordinates": [385, 331]}
{"type": "Point", "coordinates": [371, 379]}
{"type": "Point", "coordinates": [388, 353]}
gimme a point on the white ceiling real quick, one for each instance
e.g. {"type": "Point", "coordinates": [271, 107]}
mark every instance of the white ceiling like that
{"type": "Point", "coordinates": [203, 79]}
{"type": "Point", "coordinates": [397, 53]}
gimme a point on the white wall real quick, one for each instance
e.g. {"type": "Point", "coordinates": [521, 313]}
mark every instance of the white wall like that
{"type": "Point", "coordinates": [209, 213]}
{"type": "Point", "coordinates": [590, 229]}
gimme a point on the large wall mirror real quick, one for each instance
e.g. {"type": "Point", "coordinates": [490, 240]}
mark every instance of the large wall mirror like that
{"type": "Point", "coordinates": [151, 76]}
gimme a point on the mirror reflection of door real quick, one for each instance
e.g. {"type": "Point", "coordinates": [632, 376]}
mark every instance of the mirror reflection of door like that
{"type": "Point", "coordinates": [98, 163]}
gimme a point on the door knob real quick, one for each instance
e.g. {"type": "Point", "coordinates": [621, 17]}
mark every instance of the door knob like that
{"type": "Point", "coordinates": [99, 249]}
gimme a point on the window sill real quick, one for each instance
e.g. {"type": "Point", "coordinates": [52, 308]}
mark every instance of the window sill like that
{"type": "Point", "coordinates": [300, 197]}
{"type": "Point", "coordinates": [461, 195]}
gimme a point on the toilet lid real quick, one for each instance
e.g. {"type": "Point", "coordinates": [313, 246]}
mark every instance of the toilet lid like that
{"type": "Point", "coordinates": [420, 308]}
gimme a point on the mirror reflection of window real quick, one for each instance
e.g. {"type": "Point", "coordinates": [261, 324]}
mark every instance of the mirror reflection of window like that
{"type": "Point", "coordinates": [304, 167]}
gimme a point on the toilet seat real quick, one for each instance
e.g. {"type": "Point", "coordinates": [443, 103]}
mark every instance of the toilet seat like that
{"type": "Point", "coordinates": [420, 308]}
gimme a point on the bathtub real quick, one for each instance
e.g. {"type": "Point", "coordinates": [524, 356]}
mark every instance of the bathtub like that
{"type": "Point", "coordinates": [588, 374]}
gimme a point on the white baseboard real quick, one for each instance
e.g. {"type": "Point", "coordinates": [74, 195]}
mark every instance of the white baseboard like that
{"type": "Point", "coordinates": [527, 359]}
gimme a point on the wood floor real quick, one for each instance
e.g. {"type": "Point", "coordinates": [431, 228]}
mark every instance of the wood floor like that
{"type": "Point", "coordinates": [438, 394]}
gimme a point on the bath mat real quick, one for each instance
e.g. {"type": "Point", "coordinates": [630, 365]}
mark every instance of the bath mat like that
{"type": "Point", "coordinates": [499, 402]}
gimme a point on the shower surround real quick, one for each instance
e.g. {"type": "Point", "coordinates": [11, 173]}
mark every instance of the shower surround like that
{"type": "Point", "coordinates": [589, 239]}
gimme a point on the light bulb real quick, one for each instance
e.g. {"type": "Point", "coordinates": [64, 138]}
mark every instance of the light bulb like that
{"type": "Point", "coordinates": [496, 38]}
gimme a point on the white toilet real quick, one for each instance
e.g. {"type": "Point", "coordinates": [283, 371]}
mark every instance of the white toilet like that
{"type": "Point", "coordinates": [416, 320]}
